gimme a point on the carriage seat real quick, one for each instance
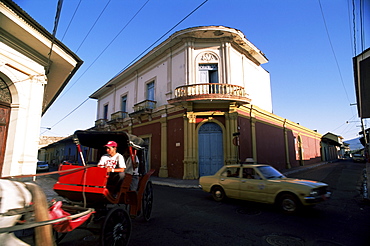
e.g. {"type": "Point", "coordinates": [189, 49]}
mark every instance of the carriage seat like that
{"type": "Point", "coordinates": [92, 181]}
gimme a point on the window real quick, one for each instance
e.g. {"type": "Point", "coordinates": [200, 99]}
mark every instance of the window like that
{"type": "Point", "coordinates": [208, 73]}
{"type": "Point", "coordinates": [250, 173]}
{"type": "Point", "coordinates": [150, 91]}
{"type": "Point", "coordinates": [150, 95]}
{"type": "Point", "coordinates": [231, 172]}
{"type": "Point", "coordinates": [105, 112]}
{"type": "Point", "coordinates": [124, 104]}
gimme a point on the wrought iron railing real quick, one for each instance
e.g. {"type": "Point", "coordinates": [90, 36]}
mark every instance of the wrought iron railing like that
{"type": "Point", "coordinates": [211, 88]}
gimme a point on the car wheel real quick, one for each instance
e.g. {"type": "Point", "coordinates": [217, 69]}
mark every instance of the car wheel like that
{"type": "Point", "coordinates": [218, 194]}
{"type": "Point", "coordinates": [288, 203]}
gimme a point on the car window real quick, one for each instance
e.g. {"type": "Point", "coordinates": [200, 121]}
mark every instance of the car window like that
{"type": "Point", "coordinates": [270, 172]}
{"type": "Point", "coordinates": [250, 173]}
{"type": "Point", "coordinates": [231, 172]}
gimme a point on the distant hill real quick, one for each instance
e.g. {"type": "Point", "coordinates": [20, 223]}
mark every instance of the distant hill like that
{"type": "Point", "coordinates": [354, 144]}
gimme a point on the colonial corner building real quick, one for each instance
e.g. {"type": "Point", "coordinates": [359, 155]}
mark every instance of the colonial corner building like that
{"type": "Point", "coordinates": [34, 69]}
{"type": "Point", "coordinates": [201, 100]}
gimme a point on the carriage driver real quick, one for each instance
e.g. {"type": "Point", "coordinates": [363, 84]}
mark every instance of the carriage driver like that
{"type": "Point", "coordinates": [115, 163]}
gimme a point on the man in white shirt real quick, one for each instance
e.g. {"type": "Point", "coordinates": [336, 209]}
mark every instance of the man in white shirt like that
{"type": "Point", "coordinates": [115, 163]}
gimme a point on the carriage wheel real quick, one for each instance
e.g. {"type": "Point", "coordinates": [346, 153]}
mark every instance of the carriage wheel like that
{"type": "Point", "coordinates": [58, 236]}
{"type": "Point", "coordinates": [147, 202]}
{"type": "Point", "coordinates": [116, 228]}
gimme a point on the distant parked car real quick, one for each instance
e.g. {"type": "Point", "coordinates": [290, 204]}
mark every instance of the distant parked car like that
{"type": "Point", "coordinates": [42, 166]}
{"type": "Point", "coordinates": [358, 158]}
{"type": "Point", "coordinates": [263, 183]}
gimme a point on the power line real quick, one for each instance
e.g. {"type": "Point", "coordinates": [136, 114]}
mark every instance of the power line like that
{"type": "Point", "coordinates": [362, 25]}
{"type": "Point", "coordinates": [101, 53]}
{"type": "Point", "coordinates": [94, 62]}
{"type": "Point", "coordinates": [162, 36]}
{"type": "Point", "coordinates": [101, 13]}
{"type": "Point", "coordinates": [354, 25]}
{"type": "Point", "coordinates": [67, 114]}
{"type": "Point", "coordinates": [332, 49]}
{"type": "Point", "coordinates": [56, 22]}
{"type": "Point", "coordinates": [78, 5]}
{"type": "Point", "coordinates": [133, 60]}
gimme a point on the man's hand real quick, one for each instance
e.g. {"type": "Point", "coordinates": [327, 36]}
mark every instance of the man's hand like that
{"type": "Point", "coordinates": [118, 170]}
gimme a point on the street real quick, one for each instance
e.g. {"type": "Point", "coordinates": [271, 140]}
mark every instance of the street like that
{"type": "Point", "coordinates": [190, 217]}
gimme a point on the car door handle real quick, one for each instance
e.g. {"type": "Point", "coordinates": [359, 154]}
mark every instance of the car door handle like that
{"type": "Point", "coordinates": [222, 179]}
{"type": "Point", "coordinates": [243, 180]}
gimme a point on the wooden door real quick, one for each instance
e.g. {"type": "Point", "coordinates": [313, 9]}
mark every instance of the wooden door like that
{"type": "Point", "coordinates": [210, 149]}
{"type": "Point", "coordinates": [4, 121]}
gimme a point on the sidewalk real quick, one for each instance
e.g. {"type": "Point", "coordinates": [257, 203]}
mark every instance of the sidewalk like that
{"type": "Point", "coordinates": [181, 183]}
{"type": "Point", "coordinates": [47, 182]}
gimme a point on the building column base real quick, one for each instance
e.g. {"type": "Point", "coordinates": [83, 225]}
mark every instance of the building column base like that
{"type": "Point", "coordinates": [190, 167]}
{"type": "Point", "coordinates": [163, 172]}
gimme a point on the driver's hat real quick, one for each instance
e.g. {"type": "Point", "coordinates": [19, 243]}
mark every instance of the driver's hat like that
{"type": "Point", "coordinates": [111, 144]}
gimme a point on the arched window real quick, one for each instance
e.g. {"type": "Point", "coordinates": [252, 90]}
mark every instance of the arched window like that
{"type": "Point", "coordinates": [5, 96]}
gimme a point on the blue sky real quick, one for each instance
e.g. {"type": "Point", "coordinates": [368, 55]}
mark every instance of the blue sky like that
{"type": "Point", "coordinates": [309, 45]}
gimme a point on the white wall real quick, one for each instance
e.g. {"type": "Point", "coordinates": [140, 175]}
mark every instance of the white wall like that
{"type": "Point", "coordinates": [253, 78]}
{"type": "Point", "coordinates": [26, 84]}
{"type": "Point", "coordinates": [171, 72]}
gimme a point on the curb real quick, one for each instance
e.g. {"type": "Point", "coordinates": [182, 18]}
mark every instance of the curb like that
{"type": "Point", "coordinates": [164, 183]}
{"type": "Point", "coordinates": [185, 183]}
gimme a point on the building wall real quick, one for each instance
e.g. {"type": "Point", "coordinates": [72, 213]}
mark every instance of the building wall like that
{"type": "Point", "coordinates": [27, 89]}
{"type": "Point", "coordinates": [270, 145]}
{"type": "Point", "coordinates": [179, 66]}
{"type": "Point", "coordinates": [173, 129]}
{"type": "Point", "coordinates": [253, 78]}
{"type": "Point", "coordinates": [33, 79]}
{"type": "Point", "coordinates": [265, 137]}
{"type": "Point", "coordinates": [175, 146]}
{"type": "Point", "coordinates": [153, 130]}
{"type": "Point", "coordinates": [273, 140]}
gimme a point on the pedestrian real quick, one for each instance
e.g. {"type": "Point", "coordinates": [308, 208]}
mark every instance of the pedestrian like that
{"type": "Point", "coordinates": [133, 169]}
{"type": "Point", "coordinates": [115, 163]}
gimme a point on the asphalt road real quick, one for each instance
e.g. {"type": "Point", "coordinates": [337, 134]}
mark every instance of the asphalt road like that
{"type": "Point", "coordinates": [190, 217]}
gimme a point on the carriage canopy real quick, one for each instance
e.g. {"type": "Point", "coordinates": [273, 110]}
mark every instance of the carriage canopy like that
{"type": "Point", "coordinates": [97, 139]}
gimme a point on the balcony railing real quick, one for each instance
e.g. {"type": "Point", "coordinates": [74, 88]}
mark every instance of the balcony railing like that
{"type": "Point", "coordinates": [210, 91]}
{"type": "Point", "coordinates": [144, 107]}
{"type": "Point", "coordinates": [118, 115]}
{"type": "Point", "coordinates": [100, 122]}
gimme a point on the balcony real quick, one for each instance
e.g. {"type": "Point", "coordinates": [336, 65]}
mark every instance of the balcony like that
{"type": "Point", "coordinates": [118, 116]}
{"type": "Point", "coordinates": [100, 123]}
{"type": "Point", "coordinates": [210, 92]}
{"type": "Point", "coordinates": [144, 107]}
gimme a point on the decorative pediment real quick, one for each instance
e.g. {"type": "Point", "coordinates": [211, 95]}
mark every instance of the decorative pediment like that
{"type": "Point", "coordinates": [208, 57]}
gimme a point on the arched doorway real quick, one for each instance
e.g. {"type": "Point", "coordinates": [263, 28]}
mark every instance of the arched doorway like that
{"type": "Point", "coordinates": [210, 148]}
{"type": "Point", "coordinates": [5, 101]}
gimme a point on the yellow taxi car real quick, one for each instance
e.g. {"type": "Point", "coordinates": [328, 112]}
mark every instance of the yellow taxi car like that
{"type": "Point", "coordinates": [263, 183]}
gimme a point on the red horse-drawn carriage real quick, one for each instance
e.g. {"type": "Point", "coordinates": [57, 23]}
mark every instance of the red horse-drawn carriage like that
{"type": "Point", "coordinates": [86, 187]}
